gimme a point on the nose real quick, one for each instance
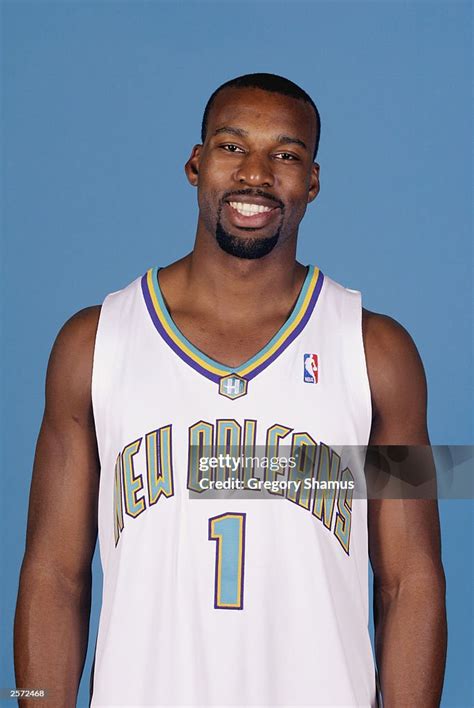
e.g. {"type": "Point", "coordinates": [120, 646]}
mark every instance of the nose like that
{"type": "Point", "coordinates": [254, 170]}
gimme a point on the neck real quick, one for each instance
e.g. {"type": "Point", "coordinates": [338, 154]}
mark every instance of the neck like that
{"type": "Point", "coordinates": [235, 287]}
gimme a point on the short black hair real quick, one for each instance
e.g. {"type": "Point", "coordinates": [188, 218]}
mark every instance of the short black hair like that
{"type": "Point", "coordinates": [266, 82]}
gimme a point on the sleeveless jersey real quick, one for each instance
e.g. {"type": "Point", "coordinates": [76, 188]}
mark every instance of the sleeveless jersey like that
{"type": "Point", "coordinates": [254, 596]}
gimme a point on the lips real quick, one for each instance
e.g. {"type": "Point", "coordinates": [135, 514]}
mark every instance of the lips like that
{"type": "Point", "coordinates": [251, 213]}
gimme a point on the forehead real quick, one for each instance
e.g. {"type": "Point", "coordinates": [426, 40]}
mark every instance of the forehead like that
{"type": "Point", "coordinates": [256, 110]}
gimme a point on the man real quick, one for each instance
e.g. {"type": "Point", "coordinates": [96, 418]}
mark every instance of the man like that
{"type": "Point", "coordinates": [230, 600]}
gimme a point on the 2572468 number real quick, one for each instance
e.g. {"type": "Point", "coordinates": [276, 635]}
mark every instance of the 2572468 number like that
{"type": "Point", "coordinates": [27, 693]}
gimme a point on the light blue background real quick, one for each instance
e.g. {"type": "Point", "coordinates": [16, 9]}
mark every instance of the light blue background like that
{"type": "Point", "coordinates": [102, 103]}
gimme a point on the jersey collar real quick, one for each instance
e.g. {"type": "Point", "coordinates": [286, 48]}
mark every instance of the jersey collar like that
{"type": "Point", "coordinates": [210, 368]}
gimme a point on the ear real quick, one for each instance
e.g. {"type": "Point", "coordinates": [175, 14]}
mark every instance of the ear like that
{"type": "Point", "coordinates": [192, 166]}
{"type": "Point", "coordinates": [314, 182]}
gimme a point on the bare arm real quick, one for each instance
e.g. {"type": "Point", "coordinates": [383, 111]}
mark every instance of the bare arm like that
{"type": "Point", "coordinates": [53, 607]}
{"type": "Point", "coordinates": [404, 534]}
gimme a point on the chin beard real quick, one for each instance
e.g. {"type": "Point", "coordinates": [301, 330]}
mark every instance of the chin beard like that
{"type": "Point", "coordinates": [249, 248]}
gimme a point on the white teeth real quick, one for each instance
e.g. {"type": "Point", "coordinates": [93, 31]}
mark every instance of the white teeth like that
{"type": "Point", "coordinates": [249, 209]}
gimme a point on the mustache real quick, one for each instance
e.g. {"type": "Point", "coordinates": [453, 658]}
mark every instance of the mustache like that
{"type": "Point", "coordinates": [252, 193]}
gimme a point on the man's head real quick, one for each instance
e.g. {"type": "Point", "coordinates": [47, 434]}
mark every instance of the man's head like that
{"type": "Point", "coordinates": [255, 169]}
{"type": "Point", "coordinates": [266, 82]}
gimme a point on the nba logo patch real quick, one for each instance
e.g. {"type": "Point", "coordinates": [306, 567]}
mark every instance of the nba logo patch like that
{"type": "Point", "coordinates": [311, 368]}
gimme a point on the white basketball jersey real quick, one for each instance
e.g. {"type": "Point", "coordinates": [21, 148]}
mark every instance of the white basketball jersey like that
{"type": "Point", "coordinates": [242, 597]}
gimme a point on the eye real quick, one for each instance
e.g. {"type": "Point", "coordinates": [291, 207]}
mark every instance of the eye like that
{"type": "Point", "coordinates": [230, 147]}
{"type": "Point", "coordinates": [286, 156]}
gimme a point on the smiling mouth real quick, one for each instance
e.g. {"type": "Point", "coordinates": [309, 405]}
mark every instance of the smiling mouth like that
{"type": "Point", "coordinates": [248, 209]}
{"type": "Point", "coordinates": [249, 215]}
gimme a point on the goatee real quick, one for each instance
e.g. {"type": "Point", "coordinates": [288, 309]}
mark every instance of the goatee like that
{"type": "Point", "coordinates": [249, 248]}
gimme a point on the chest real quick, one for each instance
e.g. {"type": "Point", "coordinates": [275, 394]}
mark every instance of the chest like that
{"type": "Point", "coordinates": [231, 343]}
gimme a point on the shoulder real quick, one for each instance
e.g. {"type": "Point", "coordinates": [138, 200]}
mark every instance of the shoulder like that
{"type": "Point", "coordinates": [79, 331]}
{"type": "Point", "coordinates": [395, 370]}
{"type": "Point", "coordinates": [70, 363]}
{"type": "Point", "coordinates": [387, 343]}
{"type": "Point", "coordinates": [385, 339]}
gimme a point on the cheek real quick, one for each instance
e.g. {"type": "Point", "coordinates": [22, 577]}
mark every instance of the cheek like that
{"type": "Point", "coordinates": [210, 181]}
{"type": "Point", "coordinates": [216, 167]}
{"type": "Point", "coordinates": [297, 201]}
{"type": "Point", "coordinates": [208, 203]}
{"type": "Point", "coordinates": [205, 204]}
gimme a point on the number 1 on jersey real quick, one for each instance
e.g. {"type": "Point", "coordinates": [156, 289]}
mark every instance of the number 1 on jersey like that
{"type": "Point", "coordinates": [229, 532]}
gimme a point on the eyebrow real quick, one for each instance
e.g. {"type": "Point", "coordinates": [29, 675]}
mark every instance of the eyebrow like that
{"type": "Point", "coordinates": [241, 133]}
{"type": "Point", "coordinates": [285, 139]}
